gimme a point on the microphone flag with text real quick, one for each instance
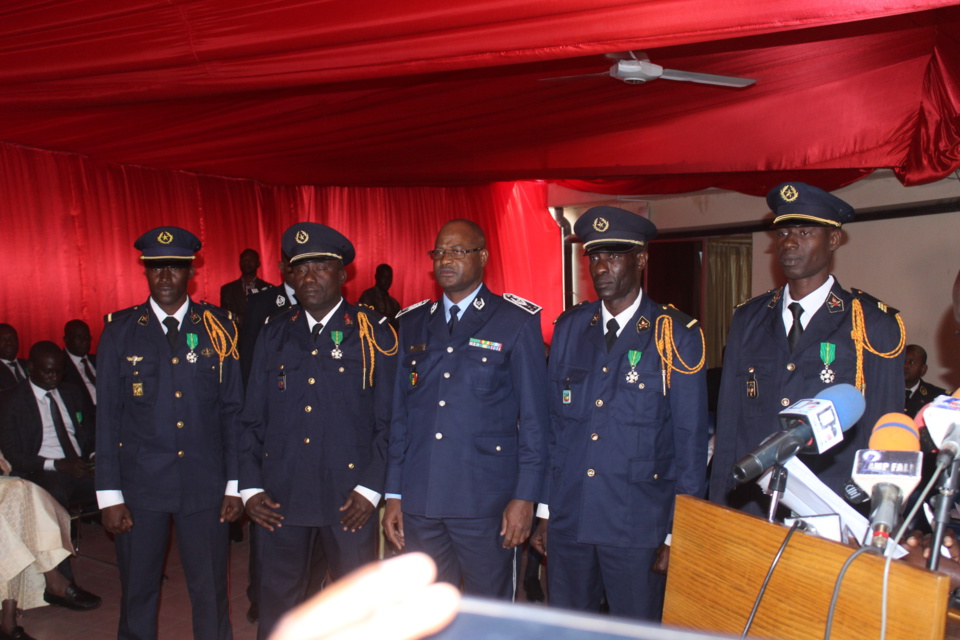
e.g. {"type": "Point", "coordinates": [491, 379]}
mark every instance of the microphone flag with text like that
{"type": "Point", "coordinates": [807, 426]}
{"type": "Point", "coordinates": [889, 471]}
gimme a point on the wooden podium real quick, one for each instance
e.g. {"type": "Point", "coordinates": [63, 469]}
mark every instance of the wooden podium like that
{"type": "Point", "coordinates": [718, 560]}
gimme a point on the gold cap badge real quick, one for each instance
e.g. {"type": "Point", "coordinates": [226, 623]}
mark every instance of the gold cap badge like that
{"type": "Point", "coordinates": [302, 237]}
{"type": "Point", "coordinates": [165, 237]}
{"type": "Point", "coordinates": [601, 225]}
{"type": "Point", "coordinates": [789, 193]}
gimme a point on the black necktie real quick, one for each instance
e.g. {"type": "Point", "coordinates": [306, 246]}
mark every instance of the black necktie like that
{"type": "Point", "coordinates": [173, 330]}
{"type": "Point", "coordinates": [908, 392]}
{"type": "Point", "coordinates": [316, 331]}
{"type": "Point", "coordinates": [68, 451]}
{"type": "Point", "coordinates": [454, 311]}
{"type": "Point", "coordinates": [16, 370]}
{"type": "Point", "coordinates": [611, 335]}
{"type": "Point", "coordinates": [88, 370]}
{"type": "Point", "coordinates": [793, 337]}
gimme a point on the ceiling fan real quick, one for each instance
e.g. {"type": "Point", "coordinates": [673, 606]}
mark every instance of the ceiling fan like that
{"type": "Point", "coordinates": [635, 68]}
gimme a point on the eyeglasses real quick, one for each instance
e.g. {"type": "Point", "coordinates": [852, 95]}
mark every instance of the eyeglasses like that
{"type": "Point", "coordinates": [455, 254]}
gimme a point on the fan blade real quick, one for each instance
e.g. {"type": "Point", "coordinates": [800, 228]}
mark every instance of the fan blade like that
{"type": "Point", "coordinates": [588, 75]}
{"type": "Point", "coordinates": [706, 78]}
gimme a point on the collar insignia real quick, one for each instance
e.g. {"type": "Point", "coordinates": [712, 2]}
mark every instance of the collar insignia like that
{"type": "Point", "coordinates": [433, 307]}
{"type": "Point", "coordinates": [775, 299]}
{"type": "Point", "coordinates": [643, 324]}
{"type": "Point", "coordinates": [347, 320]}
{"type": "Point", "coordinates": [595, 319]}
{"type": "Point", "coordinates": [142, 320]}
{"type": "Point", "coordinates": [479, 304]}
{"type": "Point", "coordinates": [281, 301]}
{"type": "Point", "coordinates": [834, 303]}
{"type": "Point", "coordinates": [195, 317]}
{"type": "Point", "coordinates": [296, 315]}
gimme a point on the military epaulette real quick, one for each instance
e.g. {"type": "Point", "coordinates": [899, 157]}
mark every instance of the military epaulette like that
{"type": "Point", "coordinates": [567, 311]}
{"type": "Point", "coordinates": [866, 297]}
{"type": "Point", "coordinates": [755, 298]}
{"type": "Point", "coordinates": [412, 307]}
{"type": "Point", "coordinates": [688, 321]}
{"type": "Point", "coordinates": [526, 305]}
{"type": "Point", "coordinates": [209, 306]}
{"type": "Point", "coordinates": [116, 315]}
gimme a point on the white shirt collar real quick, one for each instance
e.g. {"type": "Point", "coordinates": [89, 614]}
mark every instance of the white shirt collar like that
{"type": "Point", "coordinates": [325, 320]}
{"type": "Point", "coordinates": [810, 303]}
{"type": "Point", "coordinates": [161, 314]}
{"type": "Point", "coordinates": [463, 305]}
{"type": "Point", "coordinates": [914, 388]}
{"type": "Point", "coordinates": [41, 393]}
{"type": "Point", "coordinates": [623, 318]}
{"type": "Point", "coordinates": [291, 294]}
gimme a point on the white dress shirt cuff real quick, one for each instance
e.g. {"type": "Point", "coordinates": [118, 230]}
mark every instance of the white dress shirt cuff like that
{"type": "Point", "coordinates": [393, 496]}
{"type": "Point", "coordinates": [49, 464]}
{"type": "Point", "coordinates": [372, 496]}
{"type": "Point", "coordinates": [543, 511]}
{"type": "Point", "coordinates": [109, 498]}
{"type": "Point", "coordinates": [233, 488]}
{"type": "Point", "coordinates": [246, 494]}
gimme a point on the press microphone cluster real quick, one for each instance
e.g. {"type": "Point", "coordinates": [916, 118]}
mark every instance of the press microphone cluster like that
{"type": "Point", "coordinates": [807, 426]}
{"type": "Point", "coordinates": [942, 419]}
{"type": "Point", "coordinates": [889, 471]}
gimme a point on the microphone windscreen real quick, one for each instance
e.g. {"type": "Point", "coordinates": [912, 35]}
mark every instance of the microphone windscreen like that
{"type": "Point", "coordinates": [848, 402]}
{"type": "Point", "coordinates": [895, 432]}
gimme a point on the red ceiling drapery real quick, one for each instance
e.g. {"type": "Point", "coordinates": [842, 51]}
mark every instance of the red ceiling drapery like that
{"type": "Point", "coordinates": [70, 223]}
{"type": "Point", "coordinates": [436, 92]}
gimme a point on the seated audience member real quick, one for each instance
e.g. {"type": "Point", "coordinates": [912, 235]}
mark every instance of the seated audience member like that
{"type": "Point", "coordinates": [12, 368]}
{"type": "Point", "coordinates": [918, 391]}
{"type": "Point", "coordinates": [81, 365]}
{"type": "Point", "coordinates": [44, 432]}
{"type": "Point", "coordinates": [233, 295]}
{"type": "Point", "coordinates": [35, 538]}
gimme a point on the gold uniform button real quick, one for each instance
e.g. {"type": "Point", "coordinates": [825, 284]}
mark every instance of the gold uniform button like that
{"type": "Point", "coordinates": [314, 352]}
{"type": "Point", "coordinates": [311, 380]}
{"type": "Point", "coordinates": [449, 349]}
{"type": "Point", "coordinates": [498, 447]}
{"type": "Point", "coordinates": [306, 441]}
{"type": "Point", "coordinates": [341, 369]}
{"type": "Point", "coordinates": [413, 363]}
{"type": "Point", "coordinates": [446, 374]}
{"type": "Point", "coordinates": [606, 370]}
{"type": "Point", "coordinates": [180, 454]}
{"type": "Point", "coordinates": [594, 436]}
{"type": "Point", "coordinates": [443, 403]}
{"type": "Point", "coordinates": [785, 402]}
{"type": "Point", "coordinates": [266, 455]}
{"type": "Point", "coordinates": [641, 385]}
{"type": "Point", "coordinates": [350, 466]}
{"type": "Point", "coordinates": [591, 473]}
{"type": "Point", "coordinates": [483, 359]}
{"type": "Point", "coordinates": [177, 395]}
{"type": "Point", "coordinates": [439, 436]}
{"type": "Point", "coordinates": [656, 476]}
{"type": "Point", "coordinates": [308, 408]}
{"type": "Point", "coordinates": [599, 403]}
{"type": "Point", "coordinates": [175, 360]}
{"type": "Point", "coordinates": [751, 370]}
{"type": "Point", "coordinates": [180, 425]}
{"type": "Point", "coordinates": [281, 367]}
{"type": "Point", "coordinates": [791, 367]}
{"type": "Point", "coordinates": [119, 444]}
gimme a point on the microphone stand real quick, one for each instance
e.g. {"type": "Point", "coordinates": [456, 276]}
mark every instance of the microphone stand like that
{"type": "Point", "coordinates": [776, 487]}
{"type": "Point", "coordinates": [946, 499]}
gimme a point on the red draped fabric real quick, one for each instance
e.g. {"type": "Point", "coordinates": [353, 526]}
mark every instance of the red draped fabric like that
{"type": "Point", "coordinates": [70, 223]}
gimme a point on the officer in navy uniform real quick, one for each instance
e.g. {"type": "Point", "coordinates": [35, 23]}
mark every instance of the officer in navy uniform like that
{"type": "Point", "coordinates": [260, 306]}
{"type": "Point", "coordinates": [168, 403]}
{"type": "Point", "coordinates": [468, 438]}
{"type": "Point", "coordinates": [918, 391]}
{"type": "Point", "coordinates": [763, 373]}
{"type": "Point", "coordinates": [628, 428]}
{"type": "Point", "coordinates": [315, 425]}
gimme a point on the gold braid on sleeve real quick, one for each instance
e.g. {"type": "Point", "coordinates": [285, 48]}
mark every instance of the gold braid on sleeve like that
{"type": "Point", "coordinates": [369, 346]}
{"type": "Point", "coordinates": [861, 342]}
{"type": "Point", "coordinates": [223, 343]}
{"type": "Point", "coordinates": [667, 348]}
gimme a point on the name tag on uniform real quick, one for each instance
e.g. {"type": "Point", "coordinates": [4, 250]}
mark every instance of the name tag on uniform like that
{"type": "Point", "coordinates": [485, 344]}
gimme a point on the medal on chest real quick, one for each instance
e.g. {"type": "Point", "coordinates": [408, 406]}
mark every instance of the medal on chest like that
{"type": "Point", "coordinates": [137, 384]}
{"type": "Point", "coordinates": [567, 397]}
{"type": "Point", "coordinates": [634, 357]}
{"type": "Point", "coordinates": [337, 337]}
{"type": "Point", "coordinates": [828, 353]}
{"type": "Point", "coordinates": [192, 342]}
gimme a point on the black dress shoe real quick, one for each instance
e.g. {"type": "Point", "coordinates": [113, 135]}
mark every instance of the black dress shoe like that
{"type": "Point", "coordinates": [73, 598]}
{"type": "Point", "coordinates": [18, 634]}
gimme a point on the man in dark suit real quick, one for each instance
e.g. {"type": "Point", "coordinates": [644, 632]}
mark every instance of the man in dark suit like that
{"type": "Point", "coordinates": [628, 428]}
{"type": "Point", "coordinates": [169, 397]}
{"type": "Point", "coordinates": [233, 295]}
{"type": "Point", "coordinates": [12, 368]}
{"type": "Point", "coordinates": [315, 425]}
{"type": "Point", "coordinates": [468, 437]}
{"type": "Point", "coordinates": [793, 341]}
{"type": "Point", "coordinates": [47, 439]}
{"type": "Point", "coordinates": [918, 392]}
{"type": "Point", "coordinates": [261, 306]}
{"type": "Point", "coordinates": [81, 369]}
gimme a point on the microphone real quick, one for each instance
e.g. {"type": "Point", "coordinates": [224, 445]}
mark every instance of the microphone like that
{"type": "Point", "coordinates": [889, 471]}
{"type": "Point", "coordinates": [813, 425]}
{"type": "Point", "coordinates": [942, 419]}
